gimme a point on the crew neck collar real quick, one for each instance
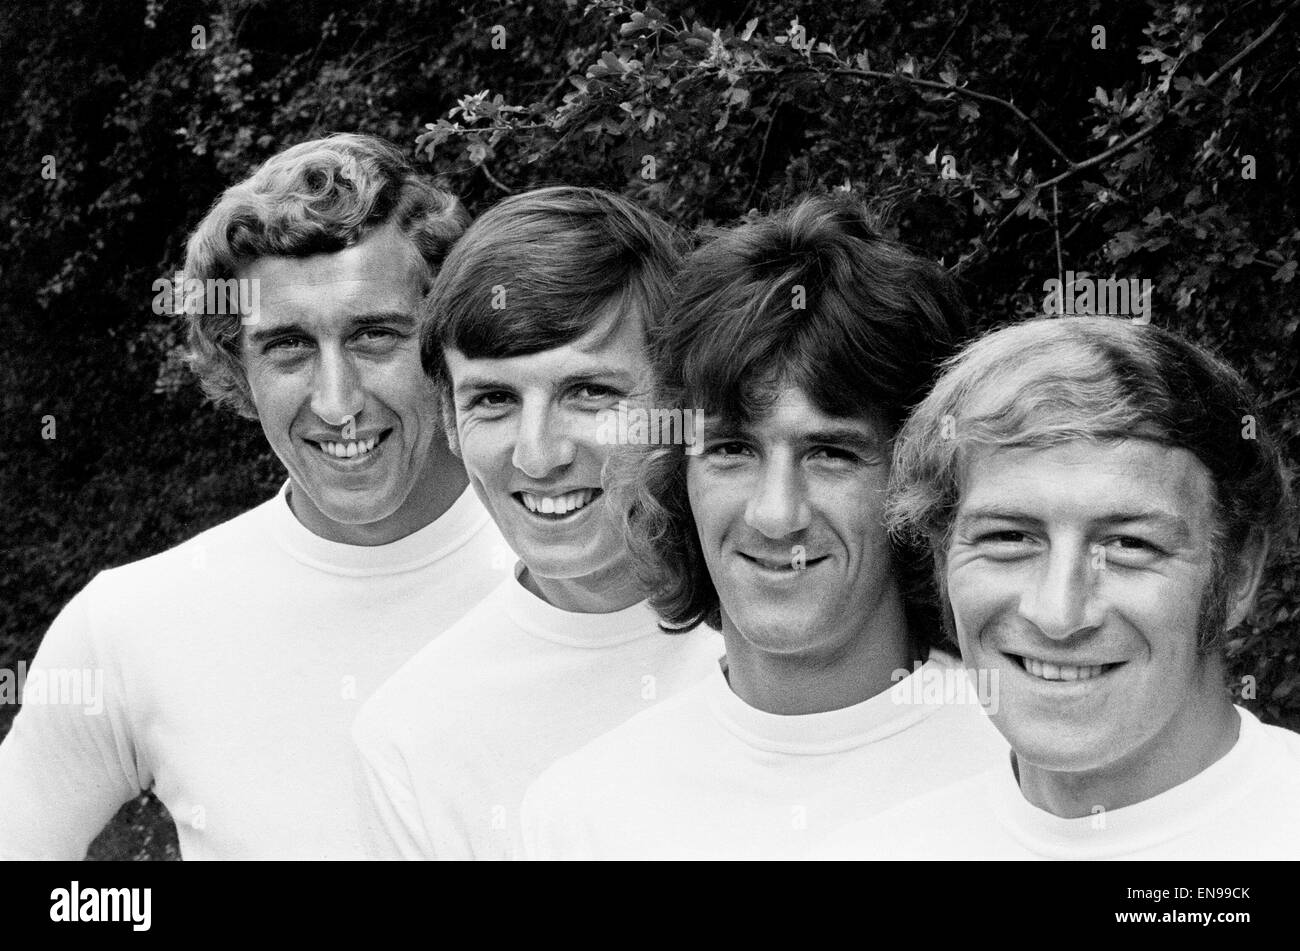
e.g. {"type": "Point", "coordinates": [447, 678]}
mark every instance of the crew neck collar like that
{"type": "Point", "coordinates": [1174, 812]}
{"type": "Point", "coordinates": [571, 628]}
{"type": "Point", "coordinates": [834, 731]}
{"type": "Point", "coordinates": [443, 535]}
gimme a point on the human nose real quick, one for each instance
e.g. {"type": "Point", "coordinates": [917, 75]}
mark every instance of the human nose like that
{"type": "Point", "coordinates": [1062, 600]}
{"type": "Point", "coordinates": [779, 507]}
{"type": "Point", "coordinates": [337, 397]}
{"type": "Point", "coordinates": [542, 443]}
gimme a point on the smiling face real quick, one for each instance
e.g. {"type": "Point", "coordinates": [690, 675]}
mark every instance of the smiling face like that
{"type": "Point", "coordinates": [333, 363]}
{"type": "Point", "coordinates": [789, 515]}
{"type": "Point", "coordinates": [528, 428]}
{"type": "Point", "coordinates": [1079, 572]}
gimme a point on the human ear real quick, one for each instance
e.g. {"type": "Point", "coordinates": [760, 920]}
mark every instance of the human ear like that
{"type": "Point", "coordinates": [1245, 579]}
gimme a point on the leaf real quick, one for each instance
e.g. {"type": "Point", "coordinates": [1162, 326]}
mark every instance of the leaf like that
{"type": "Point", "coordinates": [750, 27]}
{"type": "Point", "coordinates": [634, 25]}
{"type": "Point", "coordinates": [1286, 272]}
{"type": "Point", "coordinates": [1122, 245]}
{"type": "Point", "coordinates": [607, 65]}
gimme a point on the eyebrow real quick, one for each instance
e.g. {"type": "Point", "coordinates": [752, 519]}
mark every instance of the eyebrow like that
{"type": "Point", "coordinates": [847, 437]}
{"type": "Point", "coordinates": [474, 381]}
{"type": "Point", "coordinates": [385, 318]}
{"type": "Point", "coordinates": [1158, 518]}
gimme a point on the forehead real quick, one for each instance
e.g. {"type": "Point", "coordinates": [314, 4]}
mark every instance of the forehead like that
{"type": "Point", "coordinates": [616, 343]}
{"type": "Point", "coordinates": [1086, 480]}
{"type": "Point", "coordinates": [382, 272]}
{"type": "Point", "coordinates": [792, 416]}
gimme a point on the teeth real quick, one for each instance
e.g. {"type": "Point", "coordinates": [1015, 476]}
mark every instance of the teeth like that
{"type": "Point", "coordinates": [346, 450]}
{"type": "Point", "coordinates": [557, 504]}
{"type": "Point", "coordinates": [1047, 671]}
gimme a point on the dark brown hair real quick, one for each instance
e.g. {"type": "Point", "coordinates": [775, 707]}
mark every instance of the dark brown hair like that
{"type": "Point", "coordinates": [876, 322]}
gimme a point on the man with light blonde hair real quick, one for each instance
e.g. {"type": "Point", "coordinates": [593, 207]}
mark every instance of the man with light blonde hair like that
{"type": "Point", "coordinates": [1099, 497]}
{"type": "Point", "coordinates": [230, 667]}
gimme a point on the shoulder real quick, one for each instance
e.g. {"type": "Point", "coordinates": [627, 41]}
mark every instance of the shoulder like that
{"type": "Point", "coordinates": [648, 742]}
{"type": "Point", "coordinates": [134, 599]}
{"type": "Point", "coordinates": [224, 547]}
{"type": "Point", "coordinates": [481, 640]}
{"type": "Point", "coordinates": [1283, 739]}
{"type": "Point", "coordinates": [455, 668]}
{"type": "Point", "coordinates": [1279, 751]}
{"type": "Point", "coordinates": [929, 826]}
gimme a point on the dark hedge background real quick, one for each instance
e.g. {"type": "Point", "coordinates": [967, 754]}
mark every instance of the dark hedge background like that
{"type": "Point", "coordinates": [1162, 147]}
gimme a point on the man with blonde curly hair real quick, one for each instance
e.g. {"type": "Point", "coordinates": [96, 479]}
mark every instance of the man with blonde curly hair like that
{"type": "Point", "coordinates": [224, 674]}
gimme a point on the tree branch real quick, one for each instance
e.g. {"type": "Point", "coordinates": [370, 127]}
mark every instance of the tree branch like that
{"type": "Point", "coordinates": [493, 179]}
{"type": "Point", "coordinates": [961, 91]}
{"type": "Point", "coordinates": [762, 155]}
{"type": "Point", "coordinates": [1136, 137]}
{"type": "Point", "coordinates": [955, 27]}
{"type": "Point", "coordinates": [1259, 40]}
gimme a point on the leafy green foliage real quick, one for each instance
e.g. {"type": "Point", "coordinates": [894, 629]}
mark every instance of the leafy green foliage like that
{"type": "Point", "coordinates": [1008, 143]}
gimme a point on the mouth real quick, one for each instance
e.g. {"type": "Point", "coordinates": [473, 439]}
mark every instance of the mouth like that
{"type": "Point", "coordinates": [557, 507]}
{"type": "Point", "coordinates": [1042, 670]}
{"type": "Point", "coordinates": [788, 565]}
{"type": "Point", "coordinates": [351, 449]}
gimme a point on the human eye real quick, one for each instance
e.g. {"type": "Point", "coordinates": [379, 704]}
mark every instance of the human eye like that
{"type": "Point", "coordinates": [288, 345]}
{"type": "Point", "coordinates": [727, 449]}
{"type": "Point", "coordinates": [377, 339]}
{"type": "Point", "coordinates": [1006, 536]}
{"type": "Point", "coordinates": [488, 400]}
{"type": "Point", "coordinates": [595, 395]}
{"type": "Point", "coordinates": [597, 391]}
{"type": "Point", "coordinates": [1004, 544]}
{"type": "Point", "coordinates": [836, 454]}
{"type": "Point", "coordinates": [1131, 550]}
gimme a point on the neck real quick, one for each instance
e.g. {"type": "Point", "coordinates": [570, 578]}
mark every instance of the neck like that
{"type": "Point", "coordinates": [437, 490]}
{"type": "Point", "coordinates": [858, 665]}
{"type": "Point", "coordinates": [1195, 737]}
{"type": "Point", "coordinates": [611, 589]}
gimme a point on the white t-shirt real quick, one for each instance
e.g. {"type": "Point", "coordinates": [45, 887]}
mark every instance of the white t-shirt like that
{"type": "Point", "coordinates": [707, 776]}
{"type": "Point", "coordinates": [452, 741]}
{"type": "Point", "coordinates": [231, 669]}
{"type": "Point", "coordinates": [1245, 805]}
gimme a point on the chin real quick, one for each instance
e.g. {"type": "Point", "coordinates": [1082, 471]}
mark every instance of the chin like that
{"type": "Point", "coordinates": [1042, 746]}
{"type": "Point", "coordinates": [349, 511]}
{"type": "Point", "coordinates": [775, 635]}
{"type": "Point", "coordinates": [548, 563]}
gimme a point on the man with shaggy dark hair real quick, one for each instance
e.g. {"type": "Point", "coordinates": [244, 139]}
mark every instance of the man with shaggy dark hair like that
{"type": "Point", "coordinates": [803, 338]}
